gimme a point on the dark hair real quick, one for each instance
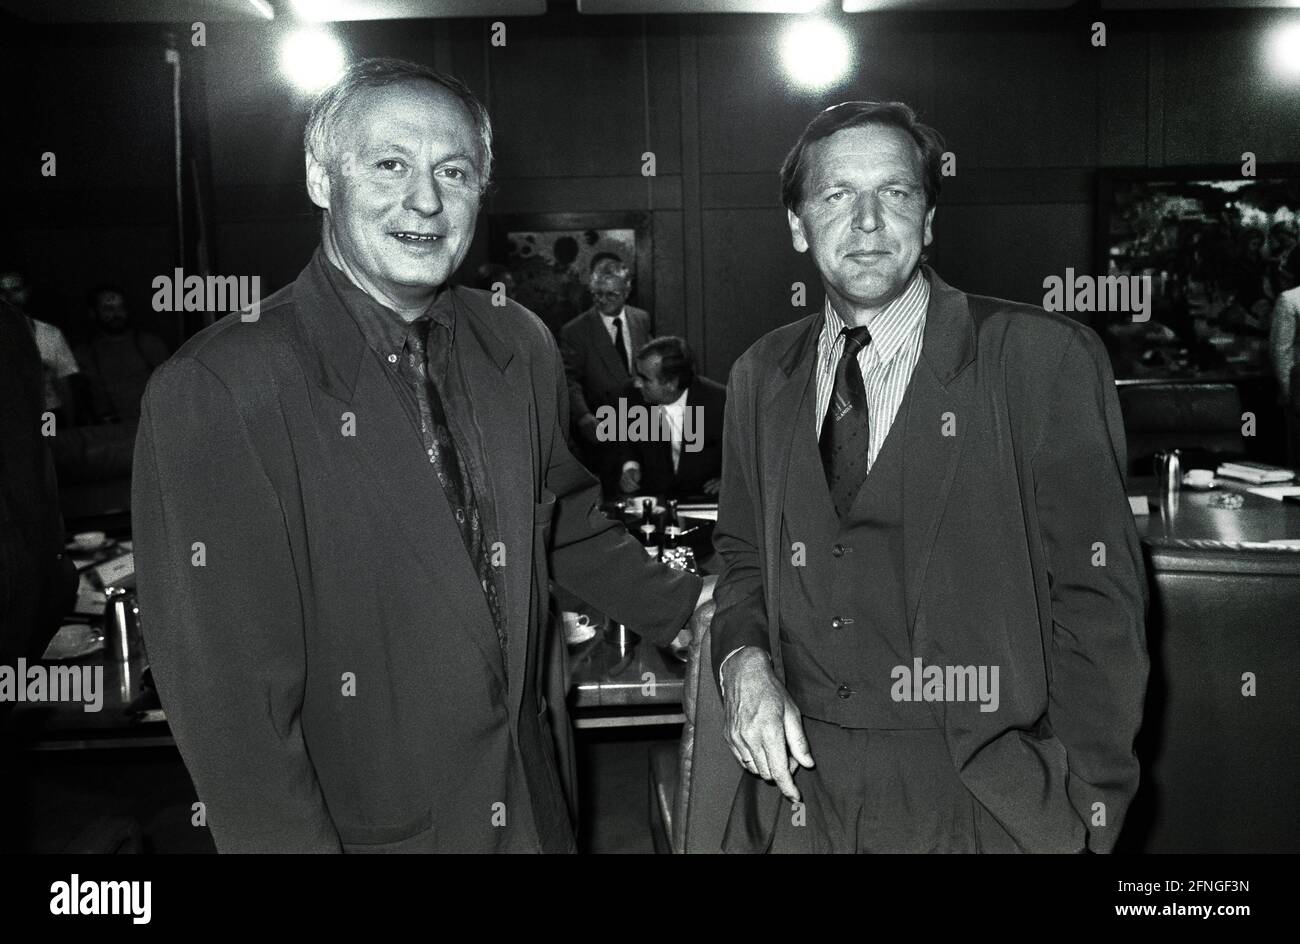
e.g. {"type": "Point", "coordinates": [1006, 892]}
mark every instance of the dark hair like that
{"type": "Point", "coordinates": [599, 257]}
{"type": "Point", "coordinates": [676, 362]}
{"type": "Point", "coordinates": [92, 297]}
{"type": "Point", "coordinates": [855, 115]}
{"type": "Point", "coordinates": [377, 73]}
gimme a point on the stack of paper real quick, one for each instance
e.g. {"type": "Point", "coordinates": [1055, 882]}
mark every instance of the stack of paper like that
{"type": "Point", "coordinates": [1257, 473]}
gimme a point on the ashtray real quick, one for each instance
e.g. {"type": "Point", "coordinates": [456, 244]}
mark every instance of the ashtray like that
{"type": "Point", "coordinates": [1227, 500]}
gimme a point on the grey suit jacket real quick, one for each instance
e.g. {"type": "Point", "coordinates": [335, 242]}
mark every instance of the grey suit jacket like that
{"type": "Point", "coordinates": [1020, 551]}
{"type": "Point", "coordinates": [319, 637]}
{"type": "Point", "coordinates": [596, 378]}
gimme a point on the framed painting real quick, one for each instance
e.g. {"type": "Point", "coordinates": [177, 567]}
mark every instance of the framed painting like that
{"type": "Point", "coordinates": [549, 258]}
{"type": "Point", "coordinates": [1211, 241]}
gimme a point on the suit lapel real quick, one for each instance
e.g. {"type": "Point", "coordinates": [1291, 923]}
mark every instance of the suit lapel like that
{"type": "Point", "coordinates": [779, 413]}
{"type": "Point", "coordinates": [940, 386]}
{"type": "Point", "coordinates": [640, 332]}
{"type": "Point", "coordinates": [500, 390]}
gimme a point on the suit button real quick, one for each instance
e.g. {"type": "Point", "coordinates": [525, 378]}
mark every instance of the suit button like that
{"type": "Point", "coordinates": [838, 550]}
{"type": "Point", "coordinates": [844, 691]}
{"type": "Point", "coordinates": [837, 623]}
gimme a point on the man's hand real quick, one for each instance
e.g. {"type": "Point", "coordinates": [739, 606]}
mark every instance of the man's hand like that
{"type": "Point", "coordinates": [587, 429]}
{"type": "Point", "coordinates": [712, 486]}
{"type": "Point", "coordinates": [764, 727]}
{"type": "Point", "coordinates": [631, 480]}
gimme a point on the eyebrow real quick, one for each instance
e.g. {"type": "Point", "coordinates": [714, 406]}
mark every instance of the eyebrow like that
{"type": "Point", "coordinates": [461, 156]}
{"type": "Point", "coordinates": [887, 182]}
{"type": "Point", "coordinates": [403, 149]}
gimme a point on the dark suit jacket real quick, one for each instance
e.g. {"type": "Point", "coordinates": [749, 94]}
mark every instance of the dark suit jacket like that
{"type": "Point", "coordinates": [693, 468]}
{"type": "Point", "coordinates": [38, 583]}
{"type": "Point", "coordinates": [1002, 527]}
{"type": "Point", "coordinates": [596, 377]}
{"type": "Point", "coordinates": [331, 672]}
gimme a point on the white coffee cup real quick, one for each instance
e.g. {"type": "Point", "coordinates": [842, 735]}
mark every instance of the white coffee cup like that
{"type": "Point", "coordinates": [1198, 478]}
{"type": "Point", "coordinates": [577, 626]}
{"type": "Point", "coordinates": [90, 540]}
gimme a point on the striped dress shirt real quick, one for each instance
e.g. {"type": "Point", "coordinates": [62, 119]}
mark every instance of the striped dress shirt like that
{"type": "Point", "coordinates": [887, 362]}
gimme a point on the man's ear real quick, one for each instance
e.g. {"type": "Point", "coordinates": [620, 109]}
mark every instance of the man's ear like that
{"type": "Point", "coordinates": [929, 221]}
{"type": "Point", "coordinates": [318, 182]}
{"type": "Point", "coordinates": [797, 235]}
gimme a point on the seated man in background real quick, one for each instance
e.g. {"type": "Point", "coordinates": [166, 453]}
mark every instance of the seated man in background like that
{"type": "Point", "coordinates": [118, 358]}
{"type": "Point", "coordinates": [685, 458]}
{"type": "Point", "coordinates": [597, 349]}
{"type": "Point", "coordinates": [59, 371]}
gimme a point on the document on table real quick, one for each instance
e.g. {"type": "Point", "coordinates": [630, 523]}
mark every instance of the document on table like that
{"type": "Point", "coordinates": [1275, 492]}
{"type": "Point", "coordinates": [1138, 504]}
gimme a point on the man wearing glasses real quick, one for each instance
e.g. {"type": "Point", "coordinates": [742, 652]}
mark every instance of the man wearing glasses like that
{"type": "Point", "coordinates": [597, 347]}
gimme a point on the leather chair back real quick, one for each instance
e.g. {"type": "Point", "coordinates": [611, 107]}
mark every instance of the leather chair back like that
{"type": "Point", "coordinates": [1201, 419]}
{"type": "Point", "coordinates": [708, 775]}
{"type": "Point", "coordinates": [1220, 768]}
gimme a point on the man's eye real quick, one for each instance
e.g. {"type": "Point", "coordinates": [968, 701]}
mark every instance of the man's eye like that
{"type": "Point", "coordinates": [455, 173]}
{"type": "Point", "coordinates": [836, 196]}
{"type": "Point", "coordinates": [898, 193]}
{"type": "Point", "coordinates": [390, 164]}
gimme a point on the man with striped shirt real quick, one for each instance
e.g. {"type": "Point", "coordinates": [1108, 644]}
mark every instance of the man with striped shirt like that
{"type": "Point", "coordinates": [930, 622]}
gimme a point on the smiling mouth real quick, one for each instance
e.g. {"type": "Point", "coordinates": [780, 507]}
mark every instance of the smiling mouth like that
{"type": "Point", "coordinates": [416, 239]}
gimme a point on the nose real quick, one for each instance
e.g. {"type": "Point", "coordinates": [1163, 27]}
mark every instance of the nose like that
{"type": "Point", "coordinates": [423, 196]}
{"type": "Point", "coordinates": [866, 212]}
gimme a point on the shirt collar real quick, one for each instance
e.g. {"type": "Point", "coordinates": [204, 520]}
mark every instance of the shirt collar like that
{"type": "Point", "coordinates": [893, 324]}
{"type": "Point", "coordinates": [609, 319]}
{"type": "Point", "coordinates": [385, 330]}
{"type": "Point", "coordinates": [679, 404]}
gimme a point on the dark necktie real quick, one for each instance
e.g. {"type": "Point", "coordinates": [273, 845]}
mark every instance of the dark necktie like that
{"type": "Point", "coordinates": [618, 341]}
{"type": "Point", "coordinates": [846, 430]}
{"type": "Point", "coordinates": [440, 447]}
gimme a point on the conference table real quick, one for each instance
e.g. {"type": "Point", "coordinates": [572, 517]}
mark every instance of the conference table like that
{"type": "Point", "coordinates": [1192, 516]}
{"type": "Point", "coordinates": [642, 684]}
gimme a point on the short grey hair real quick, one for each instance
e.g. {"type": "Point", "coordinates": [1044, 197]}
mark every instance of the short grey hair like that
{"type": "Point", "coordinates": [612, 268]}
{"type": "Point", "coordinates": [377, 73]}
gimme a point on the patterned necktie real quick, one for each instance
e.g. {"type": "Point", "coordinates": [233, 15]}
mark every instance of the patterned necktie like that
{"type": "Point", "coordinates": [618, 341]}
{"type": "Point", "coordinates": [846, 430]}
{"type": "Point", "coordinates": [452, 475]}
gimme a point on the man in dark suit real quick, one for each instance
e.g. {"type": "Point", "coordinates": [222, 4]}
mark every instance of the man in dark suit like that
{"type": "Point", "coordinates": [38, 583]}
{"type": "Point", "coordinates": [681, 455]}
{"type": "Point", "coordinates": [930, 623]}
{"type": "Point", "coordinates": [347, 509]}
{"type": "Point", "coordinates": [597, 347]}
